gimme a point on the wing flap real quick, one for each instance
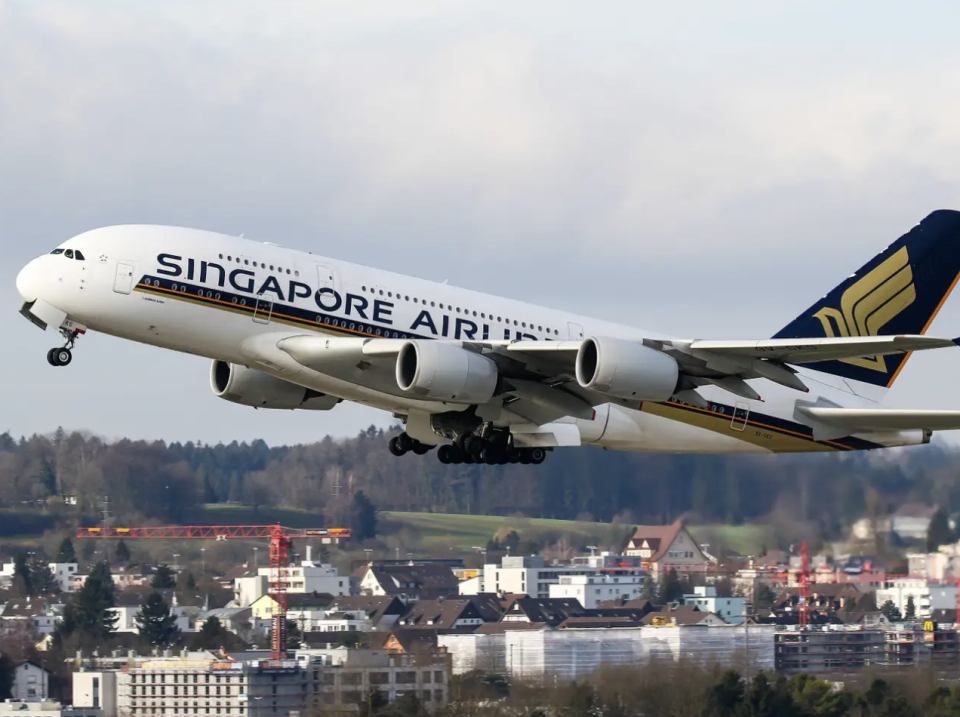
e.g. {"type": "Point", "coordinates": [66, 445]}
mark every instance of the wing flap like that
{"type": "Point", "coordinates": [879, 419]}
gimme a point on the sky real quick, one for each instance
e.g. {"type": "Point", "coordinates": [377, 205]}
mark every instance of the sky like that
{"type": "Point", "coordinates": [700, 169]}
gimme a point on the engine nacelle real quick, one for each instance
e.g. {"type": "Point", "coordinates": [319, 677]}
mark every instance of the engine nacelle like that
{"type": "Point", "coordinates": [626, 369]}
{"type": "Point", "coordinates": [445, 372]}
{"type": "Point", "coordinates": [250, 387]}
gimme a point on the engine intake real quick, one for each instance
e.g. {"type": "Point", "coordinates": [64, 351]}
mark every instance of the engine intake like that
{"type": "Point", "coordinates": [445, 372]}
{"type": "Point", "coordinates": [250, 387]}
{"type": "Point", "coordinates": [626, 369]}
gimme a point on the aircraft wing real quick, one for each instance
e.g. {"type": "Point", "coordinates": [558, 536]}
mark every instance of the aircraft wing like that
{"type": "Point", "coordinates": [801, 351]}
{"type": "Point", "coordinates": [879, 419]}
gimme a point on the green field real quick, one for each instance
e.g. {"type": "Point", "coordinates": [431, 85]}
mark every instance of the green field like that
{"type": "Point", "coordinates": [438, 533]}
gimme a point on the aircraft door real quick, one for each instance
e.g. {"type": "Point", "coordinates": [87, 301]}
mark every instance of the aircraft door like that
{"type": "Point", "coordinates": [263, 311]}
{"type": "Point", "coordinates": [123, 282]}
{"type": "Point", "coordinates": [741, 412]}
{"type": "Point", "coordinates": [575, 331]}
{"type": "Point", "coordinates": [326, 278]}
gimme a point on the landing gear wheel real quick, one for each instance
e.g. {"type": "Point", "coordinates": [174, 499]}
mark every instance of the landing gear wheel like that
{"type": "Point", "coordinates": [525, 456]}
{"type": "Point", "coordinates": [52, 357]}
{"type": "Point", "coordinates": [445, 454]}
{"type": "Point", "coordinates": [537, 456]}
{"type": "Point", "coordinates": [513, 455]}
{"type": "Point", "coordinates": [421, 449]}
{"type": "Point", "coordinates": [473, 446]}
{"type": "Point", "coordinates": [59, 357]}
{"type": "Point", "coordinates": [396, 447]}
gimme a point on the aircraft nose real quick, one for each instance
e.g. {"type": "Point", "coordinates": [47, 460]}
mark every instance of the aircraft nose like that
{"type": "Point", "coordinates": [29, 280]}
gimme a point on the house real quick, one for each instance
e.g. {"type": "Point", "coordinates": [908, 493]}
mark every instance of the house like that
{"type": "Point", "coordinates": [911, 521]}
{"type": "Point", "coordinates": [31, 682]}
{"type": "Point", "coordinates": [380, 612]}
{"type": "Point", "coordinates": [551, 611]}
{"type": "Point", "coordinates": [524, 575]}
{"type": "Point", "coordinates": [234, 619]}
{"type": "Point", "coordinates": [663, 547]}
{"type": "Point", "coordinates": [443, 614]}
{"type": "Point", "coordinates": [129, 604]}
{"type": "Point", "coordinates": [38, 614]}
{"type": "Point", "coordinates": [591, 590]}
{"type": "Point", "coordinates": [409, 582]}
{"type": "Point", "coordinates": [731, 609]}
{"type": "Point", "coordinates": [412, 642]}
{"type": "Point", "coordinates": [301, 607]}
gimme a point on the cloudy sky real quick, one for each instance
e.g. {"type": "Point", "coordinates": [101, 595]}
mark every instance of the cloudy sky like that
{"type": "Point", "coordinates": [702, 169]}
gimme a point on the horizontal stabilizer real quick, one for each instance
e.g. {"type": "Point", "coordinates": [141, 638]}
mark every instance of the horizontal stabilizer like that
{"type": "Point", "coordinates": [879, 419]}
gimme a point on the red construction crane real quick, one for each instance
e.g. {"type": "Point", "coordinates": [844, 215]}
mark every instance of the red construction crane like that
{"type": "Point", "coordinates": [281, 540]}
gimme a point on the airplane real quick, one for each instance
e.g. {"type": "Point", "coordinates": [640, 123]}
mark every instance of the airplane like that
{"type": "Point", "coordinates": [490, 380]}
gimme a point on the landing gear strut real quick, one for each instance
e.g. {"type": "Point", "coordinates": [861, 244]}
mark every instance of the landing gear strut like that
{"type": "Point", "coordinates": [64, 355]}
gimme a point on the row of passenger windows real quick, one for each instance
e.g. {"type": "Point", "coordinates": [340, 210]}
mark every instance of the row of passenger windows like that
{"type": "Point", "coordinates": [70, 253]}
{"type": "Point", "coordinates": [259, 264]}
{"type": "Point", "coordinates": [457, 309]}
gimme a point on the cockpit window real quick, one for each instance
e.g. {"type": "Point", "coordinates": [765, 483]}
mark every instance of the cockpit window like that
{"type": "Point", "coordinates": [68, 253]}
{"type": "Point", "coordinates": [57, 251]}
{"type": "Point", "coordinates": [78, 255]}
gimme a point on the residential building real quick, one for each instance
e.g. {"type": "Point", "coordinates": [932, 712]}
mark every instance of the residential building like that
{"type": "Point", "coordinates": [442, 614]}
{"type": "Point", "coordinates": [380, 612]}
{"type": "Point", "coordinates": [527, 575]}
{"type": "Point", "coordinates": [37, 614]}
{"type": "Point", "coordinates": [31, 682]}
{"type": "Point", "coordinates": [667, 546]}
{"type": "Point", "coordinates": [63, 573]}
{"type": "Point", "coordinates": [408, 581]}
{"type": "Point", "coordinates": [301, 607]}
{"type": "Point", "coordinates": [591, 590]}
{"type": "Point", "coordinates": [828, 649]}
{"type": "Point", "coordinates": [911, 521]}
{"type": "Point", "coordinates": [129, 604]}
{"type": "Point", "coordinates": [730, 609]}
{"type": "Point", "coordinates": [927, 596]}
{"type": "Point", "coordinates": [681, 615]}
{"type": "Point", "coordinates": [309, 576]}
{"type": "Point", "coordinates": [549, 611]}
{"type": "Point", "coordinates": [96, 690]}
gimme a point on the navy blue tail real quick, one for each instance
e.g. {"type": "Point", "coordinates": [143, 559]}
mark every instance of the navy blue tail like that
{"type": "Point", "coordinates": [899, 291]}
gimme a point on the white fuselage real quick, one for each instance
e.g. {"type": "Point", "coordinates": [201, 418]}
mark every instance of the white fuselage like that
{"type": "Point", "coordinates": [207, 294]}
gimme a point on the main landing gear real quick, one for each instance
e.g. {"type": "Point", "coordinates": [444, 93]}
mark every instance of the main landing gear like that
{"type": "Point", "coordinates": [497, 449]}
{"type": "Point", "coordinates": [64, 355]}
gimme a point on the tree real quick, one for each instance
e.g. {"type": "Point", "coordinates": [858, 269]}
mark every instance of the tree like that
{"type": "Point", "coordinates": [42, 579]}
{"type": "Point", "coordinates": [725, 698]}
{"type": "Point", "coordinates": [88, 613]}
{"type": "Point", "coordinates": [157, 626]}
{"type": "Point", "coordinates": [891, 611]}
{"type": "Point", "coordinates": [364, 517]}
{"type": "Point", "coordinates": [294, 636]}
{"type": "Point", "coordinates": [191, 582]}
{"type": "Point", "coordinates": [21, 576]}
{"type": "Point", "coordinates": [764, 597]}
{"type": "Point", "coordinates": [7, 676]}
{"type": "Point", "coordinates": [122, 553]}
{"type": "Point", "coordinates": [211, 634]}
{"type": "Point", "coordinates": [939, 532]}
{"type": "Point", "coordinates": [163, 579]}
{"type": "Point", "coordinates": [911, 609]}
{"type": "Point", "coordinates": [66, 553]}
{"type": "Point", "coordinates": [649, 589]}
{"type": "Point", "coordinates": [671, 590]}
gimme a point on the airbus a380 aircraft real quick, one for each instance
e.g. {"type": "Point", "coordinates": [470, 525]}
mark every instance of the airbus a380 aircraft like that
{"type": "Point", "coordinates": [492, 380]}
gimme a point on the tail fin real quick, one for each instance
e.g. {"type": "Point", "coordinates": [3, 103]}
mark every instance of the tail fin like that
{"type": "Point", "coordinates": [899, 291]}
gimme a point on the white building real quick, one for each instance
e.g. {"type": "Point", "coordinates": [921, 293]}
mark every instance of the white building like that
{"type": "Point", "coordinates": [731, 609]}
{"type": "Point", "coordinates": [96, 690]}
{"type": "Point", "coordinates": [40, 708]}
{"type": "Point", "coordinates": [126, 613]}
{"type": "Point", "coordinates": [927, 596]}
{"type": "Point", "coordinates": [308, 577]}
{"type": "Point", "coordinates": [591, 590]}
{"type": "Point", "coordinates": [63, 573]}
{"type": "Point", "coordinates": [911, 521]}
{"type": "Point", "coordinates": [31, 683]}
{"type": "Point", "coordinates": [665, 547]}
{"type": "Point", "coordinates": [527, 575]}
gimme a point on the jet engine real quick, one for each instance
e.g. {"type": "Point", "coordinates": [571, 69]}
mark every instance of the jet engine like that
{"type": "Point", "coordinates": [250, 387]}
{"type": "Point", "coordinates": [445, 372]}
{"type": "Point", "coordinates": [626, 369]}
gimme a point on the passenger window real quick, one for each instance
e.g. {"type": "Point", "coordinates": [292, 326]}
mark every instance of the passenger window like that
{"type": "Point", "coordinates": [68, 253]}
{"type": "Point", "coordinates": [78, 256]}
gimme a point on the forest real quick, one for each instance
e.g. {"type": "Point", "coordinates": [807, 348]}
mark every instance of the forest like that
{"type": "Point", "coordinates": [156, 481]}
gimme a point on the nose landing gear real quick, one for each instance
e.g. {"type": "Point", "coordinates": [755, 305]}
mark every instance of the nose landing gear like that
{"type": "Point", "coordinates": [64, 355]}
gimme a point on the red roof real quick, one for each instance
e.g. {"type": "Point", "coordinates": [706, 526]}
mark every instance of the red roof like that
{"type": "Point", "coordinates": [657, 537]}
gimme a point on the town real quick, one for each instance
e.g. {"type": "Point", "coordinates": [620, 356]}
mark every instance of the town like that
{"type": "Point", "coordinates": [114, 636]}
